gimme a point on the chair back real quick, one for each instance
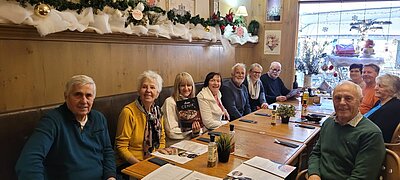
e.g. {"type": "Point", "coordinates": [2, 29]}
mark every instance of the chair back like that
{"type": "Point", "coordinates": [396, 135]}
{"type": "Point", "coordinates": [391, 166]}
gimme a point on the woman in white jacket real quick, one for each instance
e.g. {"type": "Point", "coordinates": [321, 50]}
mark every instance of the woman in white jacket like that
{"type": "Point", "coordinates": [212, 111]}
{"type": "Point", "coordinates": [184, 88]}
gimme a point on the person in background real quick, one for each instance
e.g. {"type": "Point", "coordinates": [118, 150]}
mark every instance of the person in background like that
{"type": "Point", "coordinates": [71, 141]}
{"type": "Point", "coordinates": [370, 72]}
{"type": "Point", "coordinates": [140, 128]}
{"type": "Point", "coordinates": [212, 111]}
{"type": "Point", "coordinates": [274, 88]}
{"type": "Point", "coordinates": [386, 112]}
{"type": "Point", "coordinates": [184, 88]}
{"type": "Point", "coordinates": [356, 74]}
{"type": "Point", "coordinates": [350, 146]}
{"type": "Point", "coordinates": [235, 96]}
{"type": "Point", "coordinates": [256, 89]}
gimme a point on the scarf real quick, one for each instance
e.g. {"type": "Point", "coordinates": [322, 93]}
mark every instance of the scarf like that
{"type": "Point", "coordinates": [254, 88]}
{"type": "Point", "coordinates": [152, 131]}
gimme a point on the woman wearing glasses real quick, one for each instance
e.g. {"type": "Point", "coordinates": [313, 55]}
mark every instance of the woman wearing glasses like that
{"type": "Point", "coordinates": [256, 89]}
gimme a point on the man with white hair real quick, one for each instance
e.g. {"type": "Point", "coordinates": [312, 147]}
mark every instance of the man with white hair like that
{"type": "Point", "coordinates": [235, 96]}
{"type": "Point", "coordinates": [71, 141]}
{"type": "Point", "coordinates": [274, 88]}
{"type": "Point", "coordinates": [350, 146]}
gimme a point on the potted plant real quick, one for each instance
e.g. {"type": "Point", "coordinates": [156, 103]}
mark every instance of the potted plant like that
{"type": "Point", "coordinates": [224, 143]}
{"type": "Point", "coordinates": [285, 112]}
{"type": "Point", "coordinates": [253, 27]}
{"type": "Point", "coordinates": [274, 14]}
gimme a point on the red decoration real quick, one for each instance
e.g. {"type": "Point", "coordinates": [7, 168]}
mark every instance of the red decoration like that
{"type": "Point", "coordinates": [335, 74]}
{"type": "Point", "coordinates": [330, 67]}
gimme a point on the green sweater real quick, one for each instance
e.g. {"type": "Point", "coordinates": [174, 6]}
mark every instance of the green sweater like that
{"type": "Point", "coordinates": [346, 152]}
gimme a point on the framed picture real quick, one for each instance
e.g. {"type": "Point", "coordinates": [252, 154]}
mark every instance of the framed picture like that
{"type": "Point", "coordinates": [272, 42]}
{"type": "Point", "coordinates": [187, 5]}
{"type": "Point", "coordinates": [273, 11]}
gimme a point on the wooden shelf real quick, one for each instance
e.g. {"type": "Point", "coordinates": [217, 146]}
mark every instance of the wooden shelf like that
{"type": "Point", "coordinates": [24, 32]}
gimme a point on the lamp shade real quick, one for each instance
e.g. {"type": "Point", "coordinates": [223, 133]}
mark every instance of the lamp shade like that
{"type": "Point", "coordinates": [242, 11]}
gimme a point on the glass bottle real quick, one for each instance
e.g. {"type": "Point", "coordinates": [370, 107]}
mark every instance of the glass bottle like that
{"type": "Point", "coordinates": [273, 116]}
{"type": "Point", "coordinates": [305, 97]}
{"type": "Point", "coordinates": [232, 134]}
{"type": "Point", "coordinates": [304, 110]}
{"type": "Point", "coordinates": [295, 84]}
{"type": "Point", "coordinates": [212, 152]}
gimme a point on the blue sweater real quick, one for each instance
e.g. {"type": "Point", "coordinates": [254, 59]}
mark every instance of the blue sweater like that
{"type": "Point", "coordinates": [273, 88]}
{"type": "Point", "coordinates": [59, 149]}
{"type": "Point", "coordinates": [235, 99]}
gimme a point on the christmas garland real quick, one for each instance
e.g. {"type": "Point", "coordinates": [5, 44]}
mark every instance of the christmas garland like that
{"type": "Point", "coordinates": [174, 15]}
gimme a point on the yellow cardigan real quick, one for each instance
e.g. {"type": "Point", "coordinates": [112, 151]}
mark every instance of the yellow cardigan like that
{"type": "Point", "coordinates": [130, 134]}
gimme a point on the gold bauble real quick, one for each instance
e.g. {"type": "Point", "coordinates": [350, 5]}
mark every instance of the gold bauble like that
{"type": "Point", "coordinates": [207, 28]}
{"type": "Point", "coordinates": [42, 10]}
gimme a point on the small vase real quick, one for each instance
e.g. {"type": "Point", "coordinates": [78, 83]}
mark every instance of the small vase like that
{"type": "Point", "coordinates": [223, 156]}
{"type": "Point", "coordinates": [285, 120]}
{"type": "Point", "coordinates": [307, 81]}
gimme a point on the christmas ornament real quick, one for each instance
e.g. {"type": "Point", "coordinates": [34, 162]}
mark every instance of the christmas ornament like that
{"type": "Point", "coordinates": [335, 74]}
{"type": "Point", "coordinates": [137, 15]}
{"type": "Point", "coordinates": [207, 28]}
{"type": "Point", "coordinates": [324, 67]}
{"type": "Point", "coordinates": [42, 10]}
{"type": "Point", "coordinates": [330, 67]}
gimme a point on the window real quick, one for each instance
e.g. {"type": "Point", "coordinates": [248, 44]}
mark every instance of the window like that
{"type": "Point", "coordinates": [350, 23]}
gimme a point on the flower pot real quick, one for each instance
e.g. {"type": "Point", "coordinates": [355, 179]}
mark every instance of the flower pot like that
{"type": "Point", "coordinates": [285, 120]}
{"type": "Point", "coordinates": [223, 155]}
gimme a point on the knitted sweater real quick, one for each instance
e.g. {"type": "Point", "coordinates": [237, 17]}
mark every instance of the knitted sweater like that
{"type": "Point", "coordinates": [235, 99]}
{"type": "Point", "coordinates": [59, 149]}
{"type": "Point", "coordinates": [273, 88]}
{"type": "Point", "coordinates": [346, 152]}
{"type": "Point", "coordinates": [130, 134]}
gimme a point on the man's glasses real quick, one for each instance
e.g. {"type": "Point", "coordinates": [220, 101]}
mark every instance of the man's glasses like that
{"type": "Point", "coordinates": [275, 70]}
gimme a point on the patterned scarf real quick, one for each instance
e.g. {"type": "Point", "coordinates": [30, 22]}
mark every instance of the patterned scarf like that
{"type": "Point", "coordinates": [254, 88]}
{"type": "Point", "coordinates": [152, 131]}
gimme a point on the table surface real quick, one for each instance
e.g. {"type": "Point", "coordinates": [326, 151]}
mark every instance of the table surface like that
{"type": "Point", "coordinates": [251, 140]}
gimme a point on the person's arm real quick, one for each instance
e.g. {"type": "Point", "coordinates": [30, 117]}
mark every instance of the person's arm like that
{"type": "Point", "coordinates": [206, 114]}
{"type": "Point", "coordinates": [229, 103]}
{"type": "Point", "coordinates": [171, 121]}
{"type": "Point", "coordinates": [125, 128]}
{"type": "Point", "coordinates": [368, 166]}
{"type": "Point", "coordinates": [30, 163]}
{"type": "Point", "coordinates": [314, 160]}
{"type": "Point", "coordinates": [109, 167]}
{"type": "Point", "coordinates": [162, 138]}
{"type": "Point", "coordinates": [284, 90]}
{"type": "Point", "coordinates": [247, 108]}
{"type": "Point", "coordinates": [261, 97]}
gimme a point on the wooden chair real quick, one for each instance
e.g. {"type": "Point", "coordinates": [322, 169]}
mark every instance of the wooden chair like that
{"type": "Point", "coordinates": [302, 175]}
{"type": "Point", "coordinates": [394, 144]}
{"type": "Point", "coordinates": [391, 166]}
{"type": "Point", "coordinates": [396, 135]}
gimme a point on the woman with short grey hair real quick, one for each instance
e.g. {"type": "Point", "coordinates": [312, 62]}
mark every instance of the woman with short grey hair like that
{"type": "Point", "coordinates": [385, 114]}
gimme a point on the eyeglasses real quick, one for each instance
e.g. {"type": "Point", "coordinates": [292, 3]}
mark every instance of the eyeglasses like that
{"type": "Point", "coordinates": [275, 70]}
{"type": "Point", "coordinates": [255, 72]}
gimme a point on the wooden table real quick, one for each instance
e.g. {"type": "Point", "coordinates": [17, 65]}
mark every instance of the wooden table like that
{"type": "Point", "coordinates": [289, 131]}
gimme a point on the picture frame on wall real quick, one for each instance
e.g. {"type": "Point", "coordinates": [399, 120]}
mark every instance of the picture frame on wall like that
{"type": "Point", "coordinates": [272, 42]}
{"type": "Point", "coordinates": [187, 5]}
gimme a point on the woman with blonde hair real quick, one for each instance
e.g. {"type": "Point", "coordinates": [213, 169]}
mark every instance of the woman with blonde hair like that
{"type": "Point", "coordinates": [184, 88]}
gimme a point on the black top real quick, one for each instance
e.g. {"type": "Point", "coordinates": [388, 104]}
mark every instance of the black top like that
{"type": "Point", "coordinates": [387, 118]}
{"type": "Point", "coordinates": [273, 88]}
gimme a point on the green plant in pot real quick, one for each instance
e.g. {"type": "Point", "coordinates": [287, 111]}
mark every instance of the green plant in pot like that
{"type": "Point", "coordinates": [253, 27]}
{"type": "Point", "coordinates": [285, 112]}
{"type": "Point", "coordinates": [224, 143]}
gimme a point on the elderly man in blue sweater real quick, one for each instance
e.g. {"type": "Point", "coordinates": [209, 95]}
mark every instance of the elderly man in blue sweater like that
{"type": "Point", "coordinates": [350, 146]}
{"type": "Point", "coordinates": [235, 96]}
{"type": "Point", "coordinates": [71, 141]}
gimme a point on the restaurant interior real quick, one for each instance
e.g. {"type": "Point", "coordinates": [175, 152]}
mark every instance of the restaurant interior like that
{"type": "Point", "coordinates": [43, 44]}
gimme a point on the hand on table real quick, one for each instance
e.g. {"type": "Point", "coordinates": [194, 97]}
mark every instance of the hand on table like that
{"type": "Point", "coordinates": [168, 151]}
{"type": "Point", "coordinates": [264, 105]}
{"type": "Point", "coordinates": [281, 98]}
{"type": "Point", "coordinates": [196, 127]}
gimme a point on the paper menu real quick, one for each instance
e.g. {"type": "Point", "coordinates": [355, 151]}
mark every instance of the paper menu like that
{"type": "Point", "coordinates": [261, 168]}
{"type": "Point", "coordinates": [191, 146]}
{"type": "Point", "coordinates": [171, 172]}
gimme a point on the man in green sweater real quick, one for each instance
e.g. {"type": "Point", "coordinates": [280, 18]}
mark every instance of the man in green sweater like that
{"type": "Point", "coordinates": [350, 146]}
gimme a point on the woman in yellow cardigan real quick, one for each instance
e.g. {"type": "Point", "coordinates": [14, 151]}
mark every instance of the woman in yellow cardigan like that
{"type": "Point", "coordinates": [140, 128]}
